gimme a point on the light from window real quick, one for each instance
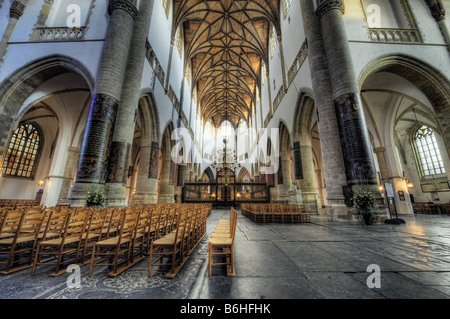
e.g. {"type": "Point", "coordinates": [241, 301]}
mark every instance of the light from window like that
{"type": "Point", "coordinates": [22, 152]}
{"type": "Point", "coordinates": [428, 153]}
{"type": "Point", "coordinates": [166, 6]}
{"type": "Point", "coordinates": [286, 5]}
{"type": "Point", "coordinates": [226, 129]}
{"type": "Point", "coordinates": [273, 41]}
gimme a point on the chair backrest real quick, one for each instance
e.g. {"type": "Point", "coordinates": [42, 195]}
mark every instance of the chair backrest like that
{"type": "Point", "coordinates": [143, 221]}
{"type": "Point", "coordinates": [115, 222]}
{"type": "Point", "coordinates": [32, 222]}
{"type": "Point", "coordinates": [154, 219]}
{"type": "Point", "coordinates": [233, 224]}
{"type": "Point", "coordinates": [56, 223]}
{"type": "Point", "coordinates": [180, 229]}
{"type": "Point", "coordinates": [10, 224]}
{"type": "Point", "coordinates": [162, 224]}
{"type": "Point", "coordinates": [128, 225]}
{"type": "Point", "coordinates": [76, 224]}
{"type": "Point", "coordinates": [96, 221]}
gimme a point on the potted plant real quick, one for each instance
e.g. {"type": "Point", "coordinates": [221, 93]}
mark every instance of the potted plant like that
{"type": "Point", "coordinates": [95, 198]}
{"type": "Point", "coordinates": [364, 203]}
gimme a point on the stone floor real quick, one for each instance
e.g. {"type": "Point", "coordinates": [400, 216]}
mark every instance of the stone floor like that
{"type": "Point", "coordinates": [321, 260]}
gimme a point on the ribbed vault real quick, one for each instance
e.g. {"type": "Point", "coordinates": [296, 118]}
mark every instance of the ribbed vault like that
{"type": "Point", "coordinates": [225, 42]}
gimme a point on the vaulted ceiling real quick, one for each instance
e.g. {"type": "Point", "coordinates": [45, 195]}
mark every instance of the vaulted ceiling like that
{"type": "Point", "coordinates": [226, 41]}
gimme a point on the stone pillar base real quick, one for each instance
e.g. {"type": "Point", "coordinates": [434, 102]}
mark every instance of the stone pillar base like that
{"type": "Point", "coordinates": [312, 202]}
{"type": "Point", "coordinates": [115, 195]}
{"type": "Point", "coordinates": [166, 198]}
{"type": "Point", "coordinates": [336, 210]}
{"type": "Point", "coordinates": [144, 199]}
{"type": "Point", "coordinates": [79, 192]}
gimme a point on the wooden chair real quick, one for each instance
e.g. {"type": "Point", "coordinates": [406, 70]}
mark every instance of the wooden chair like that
{"type": "Point", "coordinates": [21, 247]}
{"type": "Point", "coordinates": [116, 250]}
{"type": "Point", "coordinates": [139, 246]}
{"type": "Point", "coordinates": [66, 247]}
{"type": "Point", "coordinates": [113, 222]}
{"type": "Point", "coordinates": [152, 230]}
{"type": "Point", "coordinates": [222, 246]}
{"type": "Point", "coordinates": [168, 249]}
{"type": "Point", "coordinates": [93, 233]}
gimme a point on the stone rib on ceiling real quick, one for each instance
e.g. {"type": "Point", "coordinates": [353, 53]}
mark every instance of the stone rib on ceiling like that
{"type": "Point", "coordinates": [226, 41]}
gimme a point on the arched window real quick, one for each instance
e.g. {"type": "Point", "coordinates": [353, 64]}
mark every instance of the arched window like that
{"type": "Point", "coordinates": [226, 129]}
{"type": "Point", "coordinates": [427, 151]}
{"type": "Point", "coordinates": [23, 152]}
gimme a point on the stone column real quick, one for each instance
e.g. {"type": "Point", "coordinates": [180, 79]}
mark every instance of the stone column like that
{"type": "Point", "coordinates": [71, 163]}
{"type": "Point", "coordinates": [167, 187]}
{"type": "Point", "coordinates": [353, 133]}
{"type": "Point", "coordinates": [126, 115]}
{"type": "Point", "coordinates": [304, 173]}
{"type": "Point", "coordinates": [15, 12]}
{"type": "Point", "coordinates": [96, 147]}
{"type": "Point", "coordinates": [147, 180]}
{"type": "Point", "coordinates": [333, 161]}
{"type": "Point", "coordinates": [381, 158]}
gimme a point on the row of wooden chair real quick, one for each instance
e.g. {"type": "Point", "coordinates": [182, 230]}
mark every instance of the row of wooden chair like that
{"type": "Point", "coordinates": [431, 209]}
{"type": "Point", "coordinates": [276, 213]}
{"type": "Point", "coordinates": [174, 248]}
{"type": "Point", "coordinates": [19, 202]}
{"type": "Point", "coordinates": [59, 236]}
{"type": "Point", "coordinates": [221, 244]}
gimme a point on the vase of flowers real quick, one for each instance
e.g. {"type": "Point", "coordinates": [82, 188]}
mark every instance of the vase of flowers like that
{"type": "Point", "coordinates": [95, 198]}
{"type": "Point", "coordinates": [364, 203]}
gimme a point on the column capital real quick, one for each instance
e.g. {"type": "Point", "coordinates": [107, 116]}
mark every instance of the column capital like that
{"type": "Point", "coordinates": [438, 15]}
{"type": "Point", "coordinates": [327, 5]}
{"type": "Point", "coordinates": [126, 5]}
{"type": "Point", "coordinates": [16, 9]}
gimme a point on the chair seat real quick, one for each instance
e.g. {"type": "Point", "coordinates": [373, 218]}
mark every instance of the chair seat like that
{"type": "Point", "coordinates": [166, 240]}
{"type": "Point", "coordinates": [58, 241]}
{"type": "Point", "coordinates": [9, 241]}
{"type": "Point", "coordinates": [113, 241]}
{"type": "Point", "coordinates": [216, 241]}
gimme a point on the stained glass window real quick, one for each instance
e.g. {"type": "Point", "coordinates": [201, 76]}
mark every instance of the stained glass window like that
{"type": "Point", "coordinates": [21, 157]}
{"type": "Point", "coordinates": [428, 154]}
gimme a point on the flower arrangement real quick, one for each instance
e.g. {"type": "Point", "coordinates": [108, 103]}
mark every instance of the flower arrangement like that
{"type": "Point", "coordinates": [95, 198]}
{"type": "Point", "coordinates": [364, 203]}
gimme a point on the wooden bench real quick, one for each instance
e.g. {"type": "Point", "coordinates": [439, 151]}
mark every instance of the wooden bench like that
{"type": "Point", "coordinates": [276, 213]}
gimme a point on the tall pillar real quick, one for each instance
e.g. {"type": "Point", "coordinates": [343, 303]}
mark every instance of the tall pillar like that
{"type": "Point", "coordinates": [147, 180]}
{"type": "Point", "coordinates": [69, 170]}
{"type": "Point", "coordinates": [126, 115]}
{"type": "Point", "coordinates": [15, 12]}
{"type": "Point", "coordinates": [97, 142]}
{"type": "Point", "coordinates": [333, 161]}
{"type": "Point", "coordinates": [356, 148]}
{"type": "Point", "coordinates": [304, 173]}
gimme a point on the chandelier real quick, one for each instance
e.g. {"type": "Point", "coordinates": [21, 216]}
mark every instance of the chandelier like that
{"type": "Point", "coordinates": [226, 159]}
